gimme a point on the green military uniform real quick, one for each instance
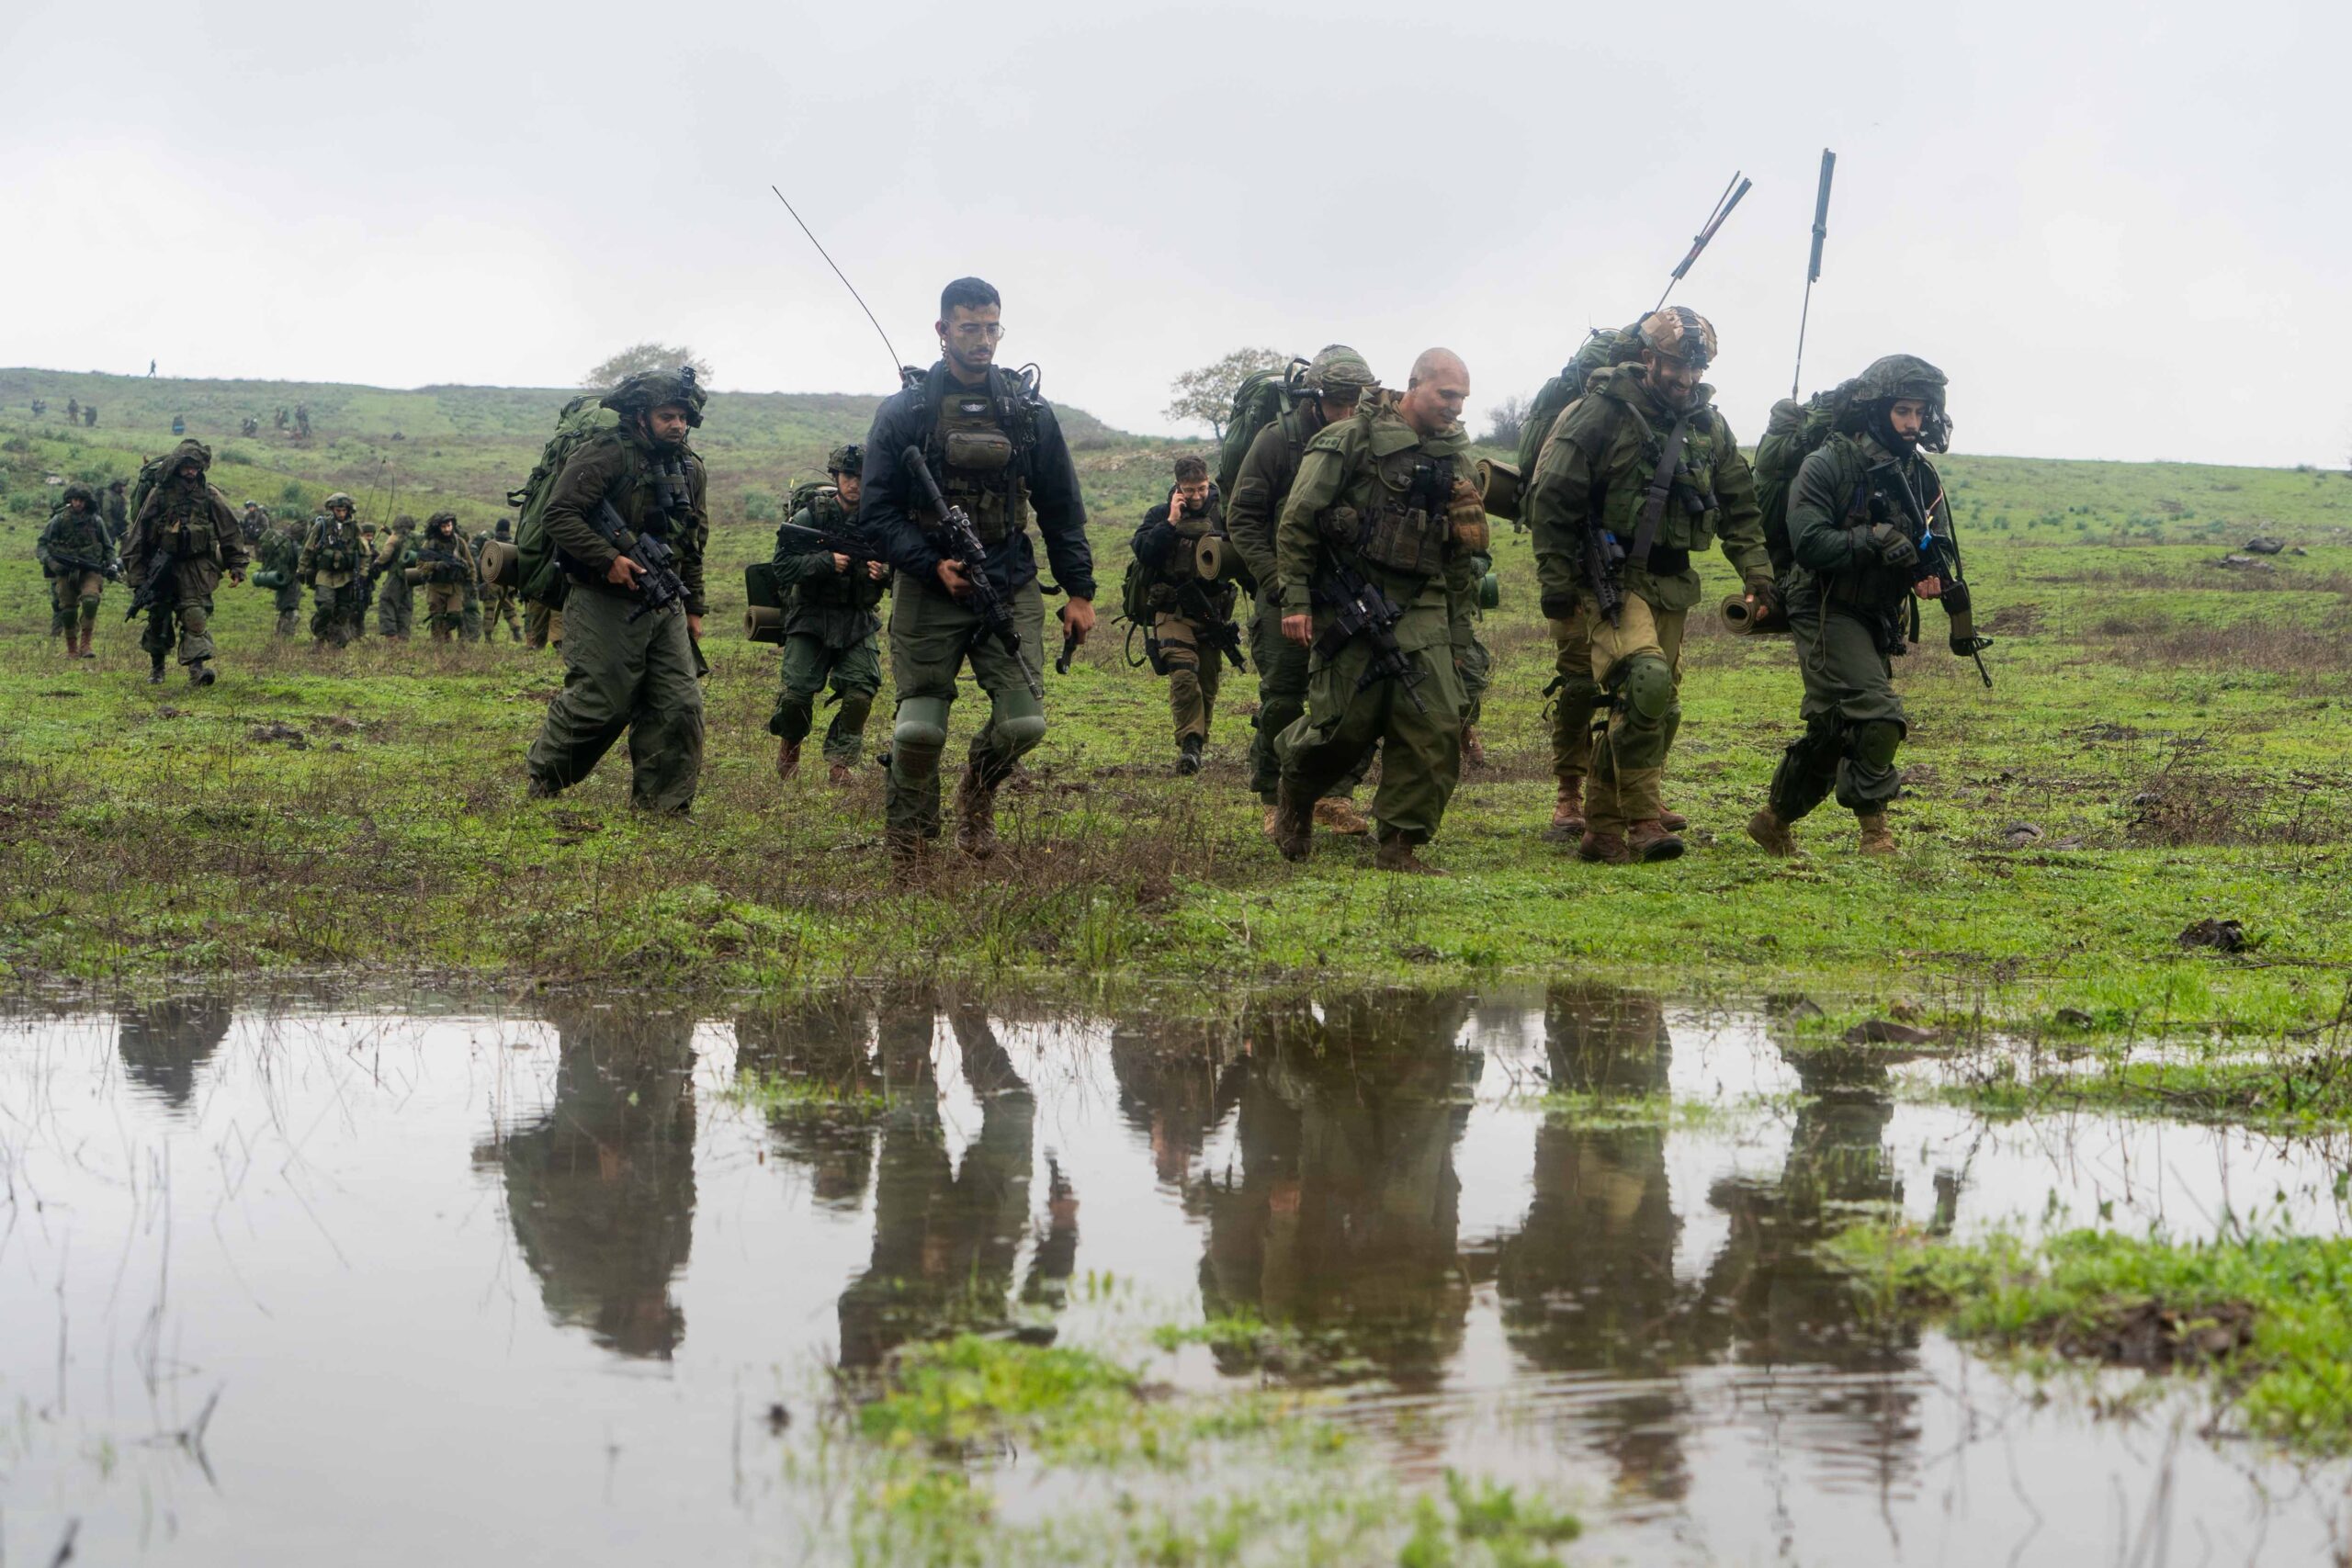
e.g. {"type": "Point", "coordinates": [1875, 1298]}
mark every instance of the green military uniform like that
{"type": "Point", "coordinates": [497, 600]}
{"type": "Point", "coordinates": [395, 593]}
{"type": "Point", "coordinates": [280, 551]}
{"type": "Point", "coordinates": [334, 563]}
{"type": "Point", "coordinates": [190, 520]}
{"type": "Point", "coordinates": [1857, 501]}
{"type": "Point", "coordinates": [1259, 487]}
{"type": "Point", "coordinates": [118, 511]}
{"type": "Point", "coordinates": [1471, 657]}
{"type": "Point", "coordinates": [1376, 495]}
{"type": "Point", "coordinates": [997, 451]}
{"type": "Point", "coordinates": [624, 670]}
{"type": "Point", "coordinates": [1190, 612]}
{"type": "Point", "coordinates": [76, 586]}
{"type": "Point", "coordinates": [445, 564]}
{"type": "Point", "coordinates": [1598, 465]}
{"type": "Point", "coordinates": [830, 627]}
{"type": "Point", "coordinates": [542, 624]}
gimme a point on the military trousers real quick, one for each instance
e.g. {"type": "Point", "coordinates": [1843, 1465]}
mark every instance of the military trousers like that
{"type": "Point", "coordinates": [1853, 719]}
{"type": "Point", "coordinates": [395, 605]}
{"type": "Point", "coordinates": [469, 609]}
{"type": "Point", "coordinates": [1194, 674]}
{"type": "Point", "coordinates": [623, 675]}
{"type": "Point", "coordinates": [335, 611]}
{"type": "Point", "coordinates": [74, 600]}
{"type": "Point", "coordinates": [1476, 666]}
{"type": "Point", "coordinates": [497, 605]}
{"type": "Point", "coordinates": [1420, 747]}
{"type": "Point", "coordinates": [1628, 779]}
{"type": "Point", "coordinates": [1575, 692]}
{"type": "Point", "coordinates": [542, 625]}
{"type": "Point", "coordinates": [444, 609]}
{"type": "Point", "coordinates": [187, 622]}
{"type": "Point", "coordinates": [1282, 697]}
{"type": "Point", "coordinates": [855, 674]}
{"type": "Point", "coordinates": [932, 636]}
{"type": "Point", "coordinates": [288, 601]}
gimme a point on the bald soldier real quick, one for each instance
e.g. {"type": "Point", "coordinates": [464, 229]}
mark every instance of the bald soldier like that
{"type": "Point", "coordinates": [1373, 574]}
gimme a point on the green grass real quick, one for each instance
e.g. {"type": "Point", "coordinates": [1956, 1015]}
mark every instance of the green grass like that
{"type": "Point", "coordinates": [2175, 731]}
{"type": "Point", "coordinates": [2265, 1321]}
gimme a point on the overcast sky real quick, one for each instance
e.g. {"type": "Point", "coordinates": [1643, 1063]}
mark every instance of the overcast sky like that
{"type": "Point", "coordinates": [2123, 231]}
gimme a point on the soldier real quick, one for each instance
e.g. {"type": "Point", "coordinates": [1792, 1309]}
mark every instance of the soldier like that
{"type": "Point", "coordinates": [89, 416]}
{"type": "Point", "coordinates": [542, 626]}
{"type": "Point", "coordinates": [72, 411]}
{"type": "Point", "coordinates": [281, 416]}
{"type": "Point", "coordinates": [1191, 609]}
{"type": "Point", "coordinates": [1593, 490]}
{"type": "Point", "coordinates": [447, 562]}
{"type": "Point", "coordinates": [39, 407]}
{"type": "Point", "coordinates": [995, 449]}
{"type": "Point", "coordinates": [249, 425]}
{"type": "Point", "coordinates": [369, 579]}
{"type": "Point", "coordinates": [470, 607]}
{"type": "Point", "coordinates": [395, 591]}
{"type": "Point", "coordinates": [254, 522]}
{"type": "Point", "coordinates": [334, 564]}
{"type": "Point", "coordinates": [184, 519]}
{"type": "Point", "coordinates": [117, 509]}
{"type": "Point", "coordinates": [829, 625]}
{"type": "Point", "coordinates": [79, 556]}
{"type": "Point", "coordinates": [1338, 377]}
{"type": "Point", "coordinates": [303, 419]}
{"type": "Point", "coordinates": [280, 551]}
{"type": "Point", "coordinates": [1381, 512]}
{"type": "Point", "coordinates": [497, 600]}
{"type": "Point", "coordinates": [179, 424]}
{"type": "Point", "coordinates": [1856, 514]}
{"type": "Point", "coordinates": [626, 670]}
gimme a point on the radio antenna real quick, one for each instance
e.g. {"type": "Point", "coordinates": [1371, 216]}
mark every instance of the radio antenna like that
{"type": "Point", "coordinates": [895, 361]}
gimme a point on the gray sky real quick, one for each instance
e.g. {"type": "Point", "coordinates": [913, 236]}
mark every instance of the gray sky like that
{"type": "Point", "coordinates": [2122, 231]}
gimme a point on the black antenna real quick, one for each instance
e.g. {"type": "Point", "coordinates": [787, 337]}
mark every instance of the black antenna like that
{"type": "Point", "coordinates": [1812, 268]}
{"type": "Point", "coordinates": [895, 361]}
{"type": "Point", "coordinates": [1723, 204]}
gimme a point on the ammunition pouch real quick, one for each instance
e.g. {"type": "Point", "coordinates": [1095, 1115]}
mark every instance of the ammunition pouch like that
{"type": "Point", "coordinates": [1410, 520]}
{"type": "Point", "coordinates": [981, 451]}
{"type": "Point", "coordinates": [1667, 561]}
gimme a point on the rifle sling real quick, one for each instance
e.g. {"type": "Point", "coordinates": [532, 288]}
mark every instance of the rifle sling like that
{"type": "Point", "coordinates": [1661, 485]}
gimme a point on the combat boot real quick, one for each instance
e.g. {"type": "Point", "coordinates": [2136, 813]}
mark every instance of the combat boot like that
{"type": "Point", "coordinates": [1396, 854]}
{"type": "Point", "coordinates": [1339, 814]}
{"type": "Point", "coordinates": [975, 816]}
{"type": "Point", "coordinates": [1674, 820]}
{"type": "Point", "coordinates": [156, 672]}
{"type": "Point", "coordinates": [1474, 749]}
{"type": "Point", "coordinates": [1294, 824]}
{"type": "Point", "coordinates": [1604, 849]}
{"type": "Point", "coordinates": [1567, 812]}
{"type": "Point", "coordinates": [200, 674]}
{"type": "Point", "coordinates": [539, 789]}
{"type": "Point", "coordinates": [839, 775]}
{"type": "Point", "coordinates": [1878, 839]}
{"type": "Point", "coordinates": [1650, 840]}
{"type": "Point", "coordinates": [787, 758]}
{"type": "Point", "coordinates": [1772, 835]}
{"type": "Point", "coordinates": [1188, 755]}
{"type": "Point", "coordinates": [909, 856]}
{"type": "Point", "coordinates": [87, 633]}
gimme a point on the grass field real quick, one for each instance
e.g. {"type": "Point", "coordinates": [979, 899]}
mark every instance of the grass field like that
{"type": "Point", "coordinates": [2173, 732]}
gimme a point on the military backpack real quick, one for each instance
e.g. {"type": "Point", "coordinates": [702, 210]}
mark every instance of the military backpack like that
{"type": "Point", "coordinates": [1600, 350]}
{"type": "Point", "coordinates": [1257, 404]}
{"type": "Point", "coordinates": [539, 579]}
{"type": "Point", "coordinates": [1792, 433]}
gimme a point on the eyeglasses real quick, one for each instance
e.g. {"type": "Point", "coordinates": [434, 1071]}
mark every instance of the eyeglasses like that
{"type": "Point", "coordinates": [973, 330]}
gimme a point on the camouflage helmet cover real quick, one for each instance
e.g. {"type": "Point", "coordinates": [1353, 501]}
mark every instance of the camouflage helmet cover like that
{"type": "Point", "coordinates": [847, 458]}
{"type": "Point", "coordinates": [444, 516]}
{"type": "Point", "coordinates": [83, 493]}
{"type": "Point", "coordinates": [1340, 368]}
{"type": "Point", "coordinates": [191, 451]}
{"type": "Point", "coordinates": [1900, 375]}
{"type": "Point", "coordinates": [1678, 332]}
{"type": "Point", "coordinates": [340, 499]}
{"type": "Point", "coordinates": [650, 390]}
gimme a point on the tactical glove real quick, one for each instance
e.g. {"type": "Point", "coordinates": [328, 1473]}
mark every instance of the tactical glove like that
{"type": "Point", "coordinates": [1891, 545]}
{"type": "Point", "coordinates": [1465, 517]}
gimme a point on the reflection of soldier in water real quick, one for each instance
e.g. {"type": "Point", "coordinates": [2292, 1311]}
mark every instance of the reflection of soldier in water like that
{"type": "Point", "coordinates": [162, 1044]}
{"type": "Point", "coordinates": [1175, 1084]}
{"type": "Point", "coordinates": [601, 1187]}
{"type": "Point", "coordinates": [945, 1237]}
{"type": "Point", "coordinates": [1343, 1216]}
{"type": "Point", "coordinates": [829, 1047]}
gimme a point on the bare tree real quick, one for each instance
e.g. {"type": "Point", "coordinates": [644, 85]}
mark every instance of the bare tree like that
{"type": "Point", "coordinates": [1206, 394]}
{"type": "Point", "coordinates": [1508, 421]}
{"type": "Point", "coordinates": [642, 356]}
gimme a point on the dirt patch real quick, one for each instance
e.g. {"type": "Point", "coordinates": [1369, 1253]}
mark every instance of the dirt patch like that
{"type": "Point", "coordinates": [2155, 1338]}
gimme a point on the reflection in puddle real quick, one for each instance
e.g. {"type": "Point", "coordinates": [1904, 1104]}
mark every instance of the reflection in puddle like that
{"type": "Point", "coordinates": [549, 1271]}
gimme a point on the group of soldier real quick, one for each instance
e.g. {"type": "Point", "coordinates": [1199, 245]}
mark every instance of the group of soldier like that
{"type": "Point", "coordinates": [1357, 521]}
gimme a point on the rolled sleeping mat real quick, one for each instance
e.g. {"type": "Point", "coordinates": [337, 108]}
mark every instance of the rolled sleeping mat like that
{"type": "Point", "coordinates": [1215, 559]}
{"type": "Point", "coordinates": [764, 623]}
{"type": "Point", "coordinates": [413, 573]}
{"type": "Point", "coordinates": [1748, 620]}
{"type": "Point", "coordinates": [268, 576]}
{"type": "Point", "coordinates": [501, 564]}
{"type": "Point", "coordinates": [1498, 489]}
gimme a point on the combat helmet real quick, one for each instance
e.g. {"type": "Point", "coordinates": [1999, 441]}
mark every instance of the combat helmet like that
{"type": "Point", "coordinates": [339, 498]}
{"type": "Point", "coordinates": [648, 389]}
{"type": "Point", "coordinates": [1678, 332]}
{"type": "Point", "coordinates": [505, 526]}
{"type": "Point", "coordinates": [444, 516]}
{"type": "Point", "coordinates": [1887, 381]}
{"type": "Point", "coordinates": [90, 498]}
{"type": "Point", "coordinates": [1337, 369]}
{"type": "Point", "coordinates": [849, 457]}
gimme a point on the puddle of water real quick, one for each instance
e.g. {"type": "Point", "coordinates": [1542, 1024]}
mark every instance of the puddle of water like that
{"type": "Point", "coordinates": [378, 1288]}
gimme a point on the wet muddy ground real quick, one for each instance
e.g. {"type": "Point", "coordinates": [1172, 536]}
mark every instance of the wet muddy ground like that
{"type": "Point", "coordinates": [396, 1287]}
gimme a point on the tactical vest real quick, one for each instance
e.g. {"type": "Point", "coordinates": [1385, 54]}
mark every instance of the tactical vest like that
{"type": "Point", "coordinates": [339, 547]}
{"type": "Point", "coordinates": [827, 589]}
{"type": "Point", "coordinates": [980, 444]}
{"type": "Point", "coordinates": [1692, 516]}
{"type": "Point", "coordinates": [1403, 523]}
{"type": "Point", "coordinates": [185, 520]}
{"type": "Point", "coordinates": [1869, 585]}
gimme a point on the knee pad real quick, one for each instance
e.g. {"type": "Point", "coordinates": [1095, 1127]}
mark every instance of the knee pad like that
{"type": "Point", "coordinates": [1018, 719]}
{"type": "Point", "coordinates": [89, 607]}
{"type": "Point", "coordinates": [1647, 690]}
{"type": "Point", "coordinates": [921, 734]}
{"type": "Point", "coordinates": [1873, 743]}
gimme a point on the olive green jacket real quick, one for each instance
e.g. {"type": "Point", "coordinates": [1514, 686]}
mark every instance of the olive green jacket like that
{"type": "Point", "coordinates": [1844, 487]}
{"type": "Point", "coordinates": [1262, 483]}
{"type": "Point", "coordinates": [192, 520]}
{"type": "Point", "coordinates": [333, 553]}
{"type": "Point", "coordinates": [82, 534]}
{"type": "Point", "coordinates": [1602, 455]}
{"type": "Point", "coordinates": [835, 607]}
{"type": "Point", "coordinates": [618, 465]}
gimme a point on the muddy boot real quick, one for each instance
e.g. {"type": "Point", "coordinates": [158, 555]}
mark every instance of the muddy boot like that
{"type": "Point", "coordinates": [1878, 839]}
{"type": "Point", "coordinates": [1568, 813]}
{"type": "Point", "coordinates": [539, 789]}
{"type": "Point", "coordinates": [1396, 854]}
{"type": "Point", "coordinates": [910, 857]}
{"type": "Point", "coordinates": [1474, 749]}
{"type": "Point", "coordinates": [1339, 814]}
{"type": "Point", "coordinates": [87, 633]}
{"type": "Point", "coordinates": [1650, 840]}
{"type": "Point", "coordinates": [156, 672]}
{"type": "Point", "coordinates": [975, 816]}
{"type": "Point", "coordinates": [1295, 824]}
{"type": "Point", "coordinates": [1674, 822]}
{"type": "Point", "coordinates": [1772, 835]}
{"type": "Point", "coordinates": [839, 776]}
{"type": "Point", "coordinates": [787, 759]}
{"type": "Point", "coordinates": [1188, 755]}
{"type": "Point", "coordinates": [1604, 849]}
{"type": "Point", "coordinates": [200, 674]}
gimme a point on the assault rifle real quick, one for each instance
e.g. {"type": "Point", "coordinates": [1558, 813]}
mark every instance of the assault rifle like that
{"type": "Point", "coordinates": [435, 561]}
{"type": "Point", "coordinates": [1939, 558]}
{"type": "Point", "coordinates": [76, 565]}
{"type": "Point", "coordinates": [1209, 630]}
{"type": "Point", "coordinates": [1602, 561]}
{"type": "Point", "coordinates": [1362, 610]}
{"type": "Point", "coordinates": [159, 586]}
{"type": "Point", "coordinates": [957, 541]}
{"type": "Point", "coordinates": [856, 546]}
{"type": "Point", "coordinates": [658, 586]}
